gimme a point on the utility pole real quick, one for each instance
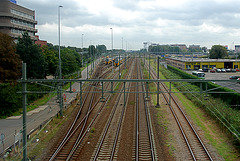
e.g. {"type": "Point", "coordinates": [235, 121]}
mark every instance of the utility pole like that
{"type": "Point", "coordinates": [24, 130]}
{"type": "Point", "coordinates": [60, 68]}
{"type": "Point", "coordinates": [112, 46]}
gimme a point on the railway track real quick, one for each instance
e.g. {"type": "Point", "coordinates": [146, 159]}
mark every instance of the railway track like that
{"type": "Point", "coordinates": [67, 145]}
{"type": "Point", "coordinates": [107, 146]}
{"type": "Point", "coordinates": [70, 146]}
{"type": "Point", "coordinates": [144, 148]}
{"type": "Point", "coordinates": [197, 149]}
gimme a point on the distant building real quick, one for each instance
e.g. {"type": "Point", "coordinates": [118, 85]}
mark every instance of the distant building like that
{"type": "Point", "coordinates": [41, 43]}
{"type": "Point", "coordinates": [203, 63]}
{"type": "Point", "coordinates": [226, 46]}
{"type": "Point", "coordinates": [197, 47]}
{"type": "Point", "coordinates": [15, 19]}
{"type": "Point", "coordinates": [181, 46]}
{"type": "Point", "coordinates": [237, 48]}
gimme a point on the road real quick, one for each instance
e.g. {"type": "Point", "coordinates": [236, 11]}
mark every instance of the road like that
{"type": "Point", "coordinates": [13, 125]}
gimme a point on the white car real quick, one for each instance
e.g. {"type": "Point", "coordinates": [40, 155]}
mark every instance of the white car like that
{"type": "Point", "coordinates": [223, 70]}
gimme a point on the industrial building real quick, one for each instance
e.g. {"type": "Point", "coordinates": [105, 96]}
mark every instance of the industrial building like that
{"type": "Point", "coordinates": [15, 20]}
{"type": "Point", "coordinates": [203, 63]}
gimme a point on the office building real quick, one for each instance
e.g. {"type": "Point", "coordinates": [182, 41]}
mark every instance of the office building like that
{"type": "Point", "coordinates": [16, 19]}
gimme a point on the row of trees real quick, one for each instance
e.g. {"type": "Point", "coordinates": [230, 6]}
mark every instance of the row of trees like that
{"type": "Point", "coordinates": [216, 52]}
{"type": "Point", "coordinates": [176, 49]}
{"type": "Point", "coordinates": [40, 61]}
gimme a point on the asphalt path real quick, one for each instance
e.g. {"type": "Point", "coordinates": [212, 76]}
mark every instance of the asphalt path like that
{"type": "Point", "coordinates": [11, 127]}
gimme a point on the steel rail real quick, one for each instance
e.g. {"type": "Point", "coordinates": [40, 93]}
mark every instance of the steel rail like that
{"type": "Point", "coordinates": [148, 122]}
{"type": "Point", "coordinates": [107, 128]}
{"type": "Point", "coordinates": [137, 121]}
{"type": "Point", "coordinates": [83, 127]}
{"type": "Point", "coordinates": [180, 126]}
{"type": "Point", "coordinates": [71, 131]}
{"type": "Point", "coordinates": [118, 130]}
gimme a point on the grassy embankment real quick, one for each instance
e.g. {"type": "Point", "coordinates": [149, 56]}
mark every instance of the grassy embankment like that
{"type": "Point", "coordinates": [214, 132]}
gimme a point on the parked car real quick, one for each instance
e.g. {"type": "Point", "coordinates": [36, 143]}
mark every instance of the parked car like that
{"type": "Point", "coordinates": [233, 70]}
{"type": "Point", "coordinates": [228, 70]}
{"type": "Point", "coordinates": [218, 70]}
{"type": "Point", "coordinates": [237, 69]}
{"type": "Point", "coordinates": [238, 80]}
{"type": "Point", "coordinates": [205, 69]}
{"type": "Point", "coordinates": [212, 70]}
{"type": "Point", "coordinates": [234, 77]}
{"type": "Point", "coordinates": [223, 70]}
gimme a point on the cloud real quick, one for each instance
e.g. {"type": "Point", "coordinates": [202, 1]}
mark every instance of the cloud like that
{"type": "Point", "coordinates": [203, 22]}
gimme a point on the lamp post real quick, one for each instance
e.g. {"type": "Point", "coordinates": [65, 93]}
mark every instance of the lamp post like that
{"type": "Point", "coordinates": [60, 68]}
{"type": "Point", "coordinates": [112, 46]}
{"type": "Point", "coordinates": [82, 50]}
{"type": "Point", "coordinates": [59, 52]}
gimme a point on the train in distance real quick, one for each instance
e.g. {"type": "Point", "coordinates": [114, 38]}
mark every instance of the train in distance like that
{"type": "Point", "coordinates": [116, 61]}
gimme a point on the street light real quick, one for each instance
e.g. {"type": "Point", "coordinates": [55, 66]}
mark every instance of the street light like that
{"type": "Point", "coordinates": [112, 47]}
{"type": "Point", "coordinates": [82, 50]}
{"type": "Point", "coordinates": [60, 69]}
{"type": "Point", "coordinates": [59, 52]}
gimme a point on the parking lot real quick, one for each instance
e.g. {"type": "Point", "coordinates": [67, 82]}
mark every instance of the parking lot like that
{"type": "Point", "coordinates": [222, 76]}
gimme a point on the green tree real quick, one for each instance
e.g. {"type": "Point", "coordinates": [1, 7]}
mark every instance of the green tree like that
{"type": "Point", "coordinates": [10, 64]}
{"type": "Point", "coordinates": [218, 52]}
{"type": "Point", "coordinates": [32, 55]}
{"type": "Point", "coordinates": [69, 62]}
{"type": "Point", "coordinates": [51, 58]}
{"type": "Point", "coordinates": [101, 48]}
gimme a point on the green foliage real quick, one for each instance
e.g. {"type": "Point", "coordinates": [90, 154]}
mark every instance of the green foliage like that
{"type": "Point", "coordinates": [10, 64]}
{"type": "Point", "coordinates": [69, 61]}
{"type": "Point", "coordinates": [101, 48]}
{"type": "Point", "coordinates": [218, 52]}
{"type": "Point", "coordinates": [11, 101]}
{"type": "Point", "coordinates": [31, 55]}
{"type": "Point", "coordinates": [218, 107]}
{"type": "Point", "coordinates": [50, 55]}
{"type": "Point", "coordinates": [233, 98]}
{"type": "Point", "coordinates": [164, 48]}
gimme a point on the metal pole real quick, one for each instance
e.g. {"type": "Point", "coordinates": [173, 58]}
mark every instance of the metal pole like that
{"type": "Point", "coordinates": [112, 47]}
{"type": "Point", "coordinates": [149, 65]}
{"type": "Point", "coordinates": [119, 66]}
{"type": "Point", "coordinates": [82, 50]}
{"type": "Point", "coordinates": [170, 89]}
{"type": "Point", "coordinates": [24, 102]}
{"type": "Point", "coordinates": [59, 51]}
{"type": "Point", "coordinates": [60, 68]}
{"type": "Point", "coordinates": [125, 60]}
{"type": "Point", "coordinates": [80, 94]}
{"type": "Point", "coordinates": [158, 83]}
{"type": "Point", "coordinates": [87, 65]}
{"type": "Point", "coordinates": [91, 56]}
{"type": "Point", "coordinates": [206, 88]}
{"type": "Point", "coordinates": [102, 93]}
{"type": "Point", "coordinates": [111, 87]}
{"type": "Point", "coordinates": [124, 93]}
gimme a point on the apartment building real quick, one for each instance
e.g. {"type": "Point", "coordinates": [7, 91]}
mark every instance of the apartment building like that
{"type": "Point", "coordinates": [16, 19]}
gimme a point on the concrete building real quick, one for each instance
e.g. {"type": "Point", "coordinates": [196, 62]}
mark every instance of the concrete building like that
{"type": "Point", "coordinates": [237, 48]}
{"type": "Point", "coordinates": [181, 46]}
{"type": "Point", "coordinates": [39, 42]}
{"type": "Point", "coordinates": [15, 19]}
{"type": "Point", "coordinates": [197, 47]}
{"type": "Point", "coordinates": [202, 63]}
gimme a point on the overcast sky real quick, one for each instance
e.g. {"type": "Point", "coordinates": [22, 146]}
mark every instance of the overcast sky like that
{"type": "Point", "coordinates": [199, 22]}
